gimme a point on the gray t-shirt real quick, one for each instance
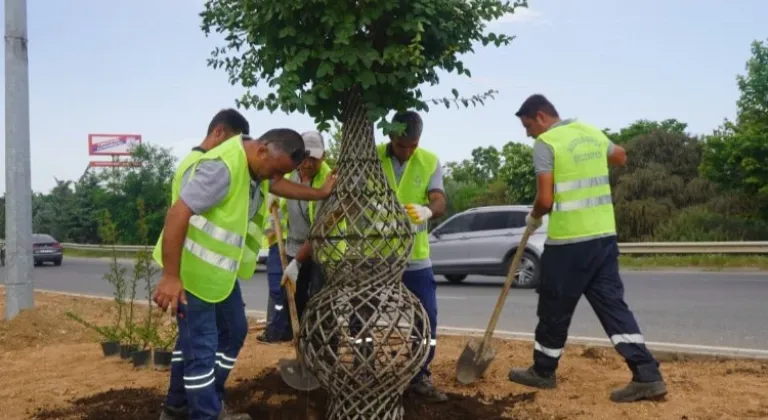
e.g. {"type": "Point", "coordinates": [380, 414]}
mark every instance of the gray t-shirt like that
{"type": "Point", "coordinates": [298, 220]}
{"type": "Point", "coordinates": [544, 162]}
{"type": "Point", "coordinates": [210, 185]}
{"type": "Point", "coordinates": [436, 183]}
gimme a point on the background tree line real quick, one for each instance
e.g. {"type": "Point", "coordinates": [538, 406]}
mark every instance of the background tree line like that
{"type": "Point", "coordinates": [677, 186]}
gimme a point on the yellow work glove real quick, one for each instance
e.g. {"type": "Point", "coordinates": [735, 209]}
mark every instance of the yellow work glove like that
{"type": "Point", "coordinates": [417, 213]}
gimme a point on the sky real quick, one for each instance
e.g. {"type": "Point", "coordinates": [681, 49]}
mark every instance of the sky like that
{"type": "Point", "coordinates": [139, 67]}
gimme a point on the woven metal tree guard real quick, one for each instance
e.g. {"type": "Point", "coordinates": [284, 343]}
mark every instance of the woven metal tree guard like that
{"type": "Point", "coordinates": [364, 336]}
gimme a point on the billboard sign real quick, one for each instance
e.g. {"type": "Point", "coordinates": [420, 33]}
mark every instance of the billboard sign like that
{"type": "Point", "coordinates": [112, 144]}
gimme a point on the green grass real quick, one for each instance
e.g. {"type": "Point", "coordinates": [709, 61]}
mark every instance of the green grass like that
{"type": "Point", "coordinates": [95, 253]}
{"type": "Point", "coordinates": [700, 261]}
{"type": "Point", "coordinates": [631, 262]}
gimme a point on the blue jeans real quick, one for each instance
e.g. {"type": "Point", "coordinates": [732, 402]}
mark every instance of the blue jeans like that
{"type": "Point", "coordinates": [210, 338]}
{"type": "Point", "coordinates": [422, 284]}
{"type": "Point", "coordinates": [279, 325]}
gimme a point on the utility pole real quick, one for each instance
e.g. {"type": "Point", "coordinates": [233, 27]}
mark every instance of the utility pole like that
{"type": "Point", "coordinates": [19, 290]}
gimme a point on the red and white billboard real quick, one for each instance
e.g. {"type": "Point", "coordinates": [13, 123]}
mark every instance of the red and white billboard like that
{"type": "Point", "coordinates": [112, 144]}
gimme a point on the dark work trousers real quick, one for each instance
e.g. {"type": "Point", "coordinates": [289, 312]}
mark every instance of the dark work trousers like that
{"type": "Point", "coordinates": [591, 269]}
{"type": "Point", "coordinates": [209, 341]}
{"type": "Point", "coordinates": [280, 323]}
{"type": "Point", "coordinates": [307, 285]}
{"type": "Point", "coordinates": [422, 284]}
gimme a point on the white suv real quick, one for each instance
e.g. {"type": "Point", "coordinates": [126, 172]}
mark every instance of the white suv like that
{"type": "Point", "coordinates": [482, 241]}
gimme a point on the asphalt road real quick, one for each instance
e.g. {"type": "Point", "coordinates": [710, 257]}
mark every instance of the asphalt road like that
{"type": "Point", "coordinates": [700, 308]}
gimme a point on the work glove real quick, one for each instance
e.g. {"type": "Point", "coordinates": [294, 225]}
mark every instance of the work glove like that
{"type": "Point", "coordinates": [418, 214]}
{"type": "Point", "coordinates": [292, 270]}
{"type": "Point", "coordinates": [532, 223]}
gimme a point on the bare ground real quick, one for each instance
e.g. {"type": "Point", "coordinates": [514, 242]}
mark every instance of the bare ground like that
{"type": "Point", "coordinates": [53, 369]}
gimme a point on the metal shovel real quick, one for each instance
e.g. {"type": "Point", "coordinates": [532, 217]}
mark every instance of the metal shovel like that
{"type": "Point", "coordinates": [293, 371]}
{"type": "Point", "coordinates": [478, 355]}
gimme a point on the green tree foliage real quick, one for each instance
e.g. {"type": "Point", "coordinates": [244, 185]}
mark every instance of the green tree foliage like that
{"type": "Point", "coordinates": [72, 210]}
{"type": "Point", "coordinates": [313, 52]}
{"type": "Point", "coordinates": [641, 127]}
{"type": "Point", "coordinates": [735, 155]}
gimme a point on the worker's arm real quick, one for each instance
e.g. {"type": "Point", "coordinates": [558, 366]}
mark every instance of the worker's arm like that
{"type": "Point", "coordinates": [294, 191]}
{"type": "Point", "coordinates": [617, 156]}
{"type": "Point", "coordinates": [436, 192]}
{"type": "Point", "coordinates": [544, 164]}
{"type": "Point", "coordinates": [174, 234]}
{"type": "Point", "coordinates": [305, 252]}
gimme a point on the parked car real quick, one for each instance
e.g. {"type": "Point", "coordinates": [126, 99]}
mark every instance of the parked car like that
{"type": "Point", "coordinates": [482, 241]}
{"type": "Point", "coordinates": [46, 249]}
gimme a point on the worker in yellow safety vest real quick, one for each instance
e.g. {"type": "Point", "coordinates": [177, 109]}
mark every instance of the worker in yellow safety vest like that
{"type": "Point", "coordinates": [210, 240]}
{"type": "Point", "coordinates": [416, 176]}
{"type": "Point", "coordinates": [580, 257]}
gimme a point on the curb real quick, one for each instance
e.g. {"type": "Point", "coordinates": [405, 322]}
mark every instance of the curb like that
{"type": "Point", "coordinates": [667, 352]}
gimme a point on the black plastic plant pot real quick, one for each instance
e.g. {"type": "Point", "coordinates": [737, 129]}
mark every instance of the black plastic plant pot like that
{"type": "Point", "coordinates": [141, 358]}
{"type": "Point", "coordinates": [110, 348]}
{"type": "Point", "coordinates": [162, 358]}
{"type": "Point", "coordinates": [126, 350]}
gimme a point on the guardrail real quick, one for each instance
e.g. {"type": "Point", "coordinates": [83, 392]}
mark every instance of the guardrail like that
{"type": "Point", "coordinates": [624, 248]}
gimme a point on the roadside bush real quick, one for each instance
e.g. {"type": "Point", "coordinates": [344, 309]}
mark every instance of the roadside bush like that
{"type": "Point", "coordinates": [699, 224]}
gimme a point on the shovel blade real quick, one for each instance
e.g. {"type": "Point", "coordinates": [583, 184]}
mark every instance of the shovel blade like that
{"type": "Point", "coordinates": [297, 376]}
{"type": "Point", "coordinates": [472, 365]}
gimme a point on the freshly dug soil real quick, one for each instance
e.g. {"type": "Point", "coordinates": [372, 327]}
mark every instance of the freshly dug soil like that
{"type": "Point", "coordinates": [53, 369]}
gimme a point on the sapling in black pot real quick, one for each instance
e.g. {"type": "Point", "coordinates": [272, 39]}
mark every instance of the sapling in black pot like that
{"type": "Point", "coordinates": [116, 277]}
{"type": "Point", "coordinates": [163, 354]}
{"type": "Point", "coordinates": [110, 344]}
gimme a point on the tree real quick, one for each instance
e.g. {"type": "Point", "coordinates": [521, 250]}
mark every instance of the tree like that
{"type": "Point", "coordinates": [313, 53]}
{"type": "Point", "coordinates": [644, 127]}
{"type": "Point", "coordinates": [734, 155]}
{"type": "Point", "coordinates": [517, 173]}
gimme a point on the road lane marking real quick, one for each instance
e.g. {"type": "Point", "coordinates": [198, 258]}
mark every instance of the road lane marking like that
{"type": "Point", "coordinates": [525, 336]}
{"type": "Point", "coordinates": [657, 345]}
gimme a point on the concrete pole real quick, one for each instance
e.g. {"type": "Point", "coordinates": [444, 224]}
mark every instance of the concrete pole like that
{"type": "Point", "coordinates": [18, 183]}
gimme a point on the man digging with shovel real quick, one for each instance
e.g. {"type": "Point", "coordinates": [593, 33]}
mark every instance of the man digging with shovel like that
{"type": "Point", "coordinates": [580, 256]}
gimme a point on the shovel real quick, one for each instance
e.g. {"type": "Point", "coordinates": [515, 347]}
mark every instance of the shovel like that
{"type": "Point", "coordinates": [478, 355]}
{"type": "Point", "coordinates": [293, 371]}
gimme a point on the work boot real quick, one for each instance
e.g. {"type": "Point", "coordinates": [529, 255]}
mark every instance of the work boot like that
{"type": "Point", "coordinates": [424, 388]}
{"type": "Point", "coordinates": [636, 391]}
{"type": "Point", "coordinates": [272, 339]}
{"type": "Point", "coordinates": [174, 413]}
{"type": "Point", "coordinates": [529, 377]}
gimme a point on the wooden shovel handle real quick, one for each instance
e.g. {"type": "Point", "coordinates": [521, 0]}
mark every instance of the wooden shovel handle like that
{"type": "Point", "coordinates": [290, 287]}
{"type": "Point", "coordinates": [503, 295]}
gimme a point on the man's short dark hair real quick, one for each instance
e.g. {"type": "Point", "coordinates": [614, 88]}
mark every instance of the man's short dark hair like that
{"type": "Point", "coordinates": [287, 141]}
{"type": "Point", "coordinates": [231, 119]}
{"type": "Point", "coordinates": [413, 124]}
{"type": "Point", "coordinates": [535, 104]}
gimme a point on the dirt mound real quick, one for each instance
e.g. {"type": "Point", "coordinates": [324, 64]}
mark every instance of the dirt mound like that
{"type": "Point", "coordinates": [53, 368]}
{"type": "Point", "coordinates": [267, 397]}
{"type": "Point", "coordinates": [47, 324]}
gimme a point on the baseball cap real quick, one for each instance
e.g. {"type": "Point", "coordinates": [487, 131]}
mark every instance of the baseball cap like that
{"type": "Point", "coordinates": [314, 144]}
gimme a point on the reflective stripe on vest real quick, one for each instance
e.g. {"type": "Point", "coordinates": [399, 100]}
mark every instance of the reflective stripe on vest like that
{"type": "Point", "coordinates": [412, 189]}
{"type": "Point", "coordinates": [582, 206]}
